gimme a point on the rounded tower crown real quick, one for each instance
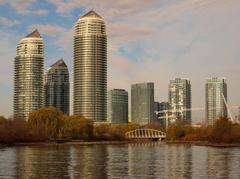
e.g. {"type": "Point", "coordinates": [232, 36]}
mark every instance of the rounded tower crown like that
{"type": "Point", "coordinates": [31, 44]}
{"type": "Point", "coordinates": [90, 24]}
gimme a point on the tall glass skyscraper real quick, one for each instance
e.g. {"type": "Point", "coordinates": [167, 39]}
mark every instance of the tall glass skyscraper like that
{"type": "Point", "coordinates": [90, 67]}
{"type": "Point", "coordinates": [28, 76]}
{"type": "Point", "coordinates": [117, 106]}
{"type": "Point", "coordinates": [216, 91]}
{"type": "Point", "coordinates": [56, 86]}
{"type": "Point", "coordinates": [179, 98]}
{"type": "Point", "coordinates": [142, 103]}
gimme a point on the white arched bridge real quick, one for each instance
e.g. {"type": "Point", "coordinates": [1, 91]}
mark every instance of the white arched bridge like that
{"type": "Point", "coordinates": [146, 134]}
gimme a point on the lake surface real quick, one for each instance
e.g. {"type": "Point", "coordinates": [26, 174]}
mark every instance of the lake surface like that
{"type": "Point", "coordinates": [151, 160]}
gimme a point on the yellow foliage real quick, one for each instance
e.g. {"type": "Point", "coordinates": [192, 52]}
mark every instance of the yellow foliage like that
{"type": "Point", "coordinates": [77, 127]}
{"type": "Point", "coordinates": [50, 117]}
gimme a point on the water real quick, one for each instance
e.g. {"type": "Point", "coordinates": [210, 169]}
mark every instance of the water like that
{"type": "Point", "coordinates": [152, 160]}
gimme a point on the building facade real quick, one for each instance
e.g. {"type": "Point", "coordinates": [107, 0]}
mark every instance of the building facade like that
{"type": "Point", "coordinates": [56, 87]}
{"type": "Point", "coordinates": [28, 75]}
{"type": "Point", "coordinates": [238, 114]}
{"type": "Point", "coordinates": [90, 67]}
{"type": "Point", "coordinates": [216, 91]}
{"type": "Point", "coordinates": [161, 109]}
{"type": "Point", "coordinates": [156, 110]}
{"type": "Point", "coordinates": [142, 103]}
{"type": "Point", "coordinates": [179, 98]}
{"type": "Point", "coordinates": [117, 106]}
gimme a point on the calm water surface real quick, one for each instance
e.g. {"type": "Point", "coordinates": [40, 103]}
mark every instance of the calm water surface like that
{"type": "Point", "coordinates": [120, 161]}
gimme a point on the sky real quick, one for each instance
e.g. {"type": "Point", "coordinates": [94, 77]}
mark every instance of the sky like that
{"type": "Point", "coordinates": [148, 41]}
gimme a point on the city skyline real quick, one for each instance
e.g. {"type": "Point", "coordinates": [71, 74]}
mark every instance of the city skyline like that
{"type": "Point", "coordinates": [149, 61]}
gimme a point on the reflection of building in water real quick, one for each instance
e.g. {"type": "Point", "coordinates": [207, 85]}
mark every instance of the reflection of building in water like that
{"type": "Point", "coordinates": [179, 161]}
{"type": "Point", "coordinates": [142, 160]}
{"type": "Point", "coordinates": [88, 161]}
{"type": "Point", "coordinates": [7, 162]}
{"type": "Point", "coordinates": [42, 162]}
{"type": "Point", "coordinates": [117, 163]}
{"type": "Point", "coordinates": [218, 163]}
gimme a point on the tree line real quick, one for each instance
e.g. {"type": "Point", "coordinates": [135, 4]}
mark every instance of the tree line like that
{"type": "Point", "coordinates": [49, 124]}
{"type": "Point", "coordinates": [222, 131]}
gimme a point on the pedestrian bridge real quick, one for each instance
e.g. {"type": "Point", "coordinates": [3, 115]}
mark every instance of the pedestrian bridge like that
{"type": "Point", "coordinates": [146, 134]}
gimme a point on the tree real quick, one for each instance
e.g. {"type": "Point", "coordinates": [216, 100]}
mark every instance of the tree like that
{"type": "Point", "coordinates": [176, 131]}
{"type": "Point", "coordinates": [50, 118]}
{"type": "Point", "coordinates": [2, 119]}
{"type": "Point", "coordinates": [77, 127]}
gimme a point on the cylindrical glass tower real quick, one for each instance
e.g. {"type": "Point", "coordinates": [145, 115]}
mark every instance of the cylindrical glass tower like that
{"type": "Point", "coordinates": [90, 67]}
{"type": "Point", "coordinates": [28, 77]}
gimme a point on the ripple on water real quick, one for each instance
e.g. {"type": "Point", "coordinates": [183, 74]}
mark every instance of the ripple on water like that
{"type": "Point", "coordinates": [151, 160]}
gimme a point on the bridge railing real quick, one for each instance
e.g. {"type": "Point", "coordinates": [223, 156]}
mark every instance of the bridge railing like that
{"type": "Point", "coordinates": [145, 133]}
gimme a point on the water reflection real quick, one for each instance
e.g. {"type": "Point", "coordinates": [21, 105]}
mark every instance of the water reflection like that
{"type": "Point", "coordinates": [35, 162]}
{"type": "Point", "coordinates": [223, 163]}
{"type": "Point", "coordinates": [88, 161]}
{"type": "Point", "coordinates": [120, 161]}
{"type": "Point", "coordinates": [179, 161]}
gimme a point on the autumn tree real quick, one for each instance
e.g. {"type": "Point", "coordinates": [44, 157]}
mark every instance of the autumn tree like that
{"type": "Point", "coordinates": [50, 118]}
{"type": "Point", "coordinates": [77, 127]}
{"type": "Point", "coordinates": [222, 131]}
{"type": "Point", "coordinates": [2, 119]}
{"type": "Point", "coordinates": [176, 131]}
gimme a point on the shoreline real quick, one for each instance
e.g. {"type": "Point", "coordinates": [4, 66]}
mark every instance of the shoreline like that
{"type": "Point", "coordinates": [79, 142]}
{"type": "Point", "coordinates": [204, 143]}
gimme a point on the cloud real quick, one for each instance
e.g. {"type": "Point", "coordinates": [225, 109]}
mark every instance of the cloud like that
{"type": "Point", "coordinates": [157, 41]}
{"type": "Point", "coordinates": [7, 54]}
{"type": "Point", "coordinates": [48, 29]}
{"type": "Point", "coordinates": [24, 6]}
{"type": "Point", "coordinates": [8, 22]}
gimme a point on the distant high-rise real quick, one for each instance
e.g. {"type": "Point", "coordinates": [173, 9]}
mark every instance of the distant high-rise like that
{"type": "Point", "coordinates": [142, 103]}
{"type": "Point", "coordinates": [156, 109]}
{"type": "Point", "coordinates": [117, 106]}
{"type": "Point", "coordinates": [28, 76]}
{"type": "Point", "coordinates": [216, 91]}
{"type": "Point", "coordinates": [90, 67]}
{"type": "Point", "coordinates": [238, 114]}
{"type": "Point", "coordinates": [56, 86]}
{"type": "Point", "coordinates": [179, 96]}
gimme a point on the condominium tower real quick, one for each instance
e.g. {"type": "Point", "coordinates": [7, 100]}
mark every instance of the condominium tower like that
{"type": "Point", "coordinates": [28, 75]}
{"type": "Point", "coordinates": [161, 110]}
{"type": "Point", "coordinates": [117, 106]}
{"type": "Point", "coordinates": [179, 97]}
{"type": "Point", "coordinates": [56, 86]}
{"type": "Point", "coordinates": [216, 98]}
{"type": "Point", "coordinates": [90, 67]}
{"type": "Point", "coordinates": [142, 103]}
